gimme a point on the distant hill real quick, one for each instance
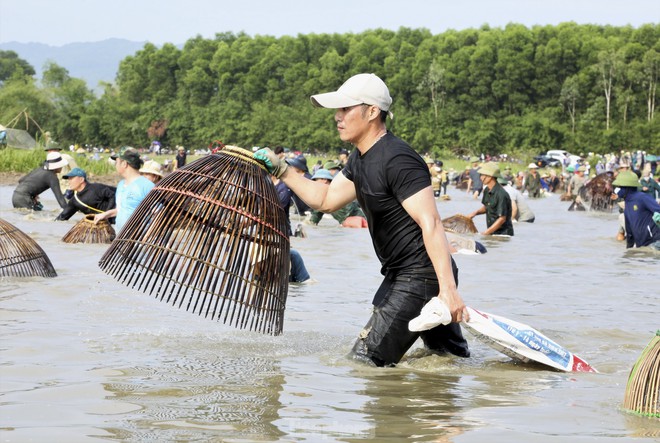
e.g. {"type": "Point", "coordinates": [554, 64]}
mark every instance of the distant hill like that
{"type": "Point", "coordinates": [92, 62]}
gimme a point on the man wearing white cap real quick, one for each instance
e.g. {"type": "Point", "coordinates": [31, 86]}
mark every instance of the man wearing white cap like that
{"type": "Point", "coordinates": [532, 182]}
{"type": "Point", "coordinates": [26, 194]}
{"type": "Point", "coordinates": [393, 186]}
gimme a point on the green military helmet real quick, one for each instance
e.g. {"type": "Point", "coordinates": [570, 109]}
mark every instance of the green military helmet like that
{"type": "Point", "coordinates": [491, 169]}
{"type": "Point", "coordinates": [626, 179]}
{"type": "Point", "coordinates": [332, 164]}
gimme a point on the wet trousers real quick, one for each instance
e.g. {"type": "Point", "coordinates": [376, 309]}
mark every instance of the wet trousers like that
{"type": "Point", "coordinates": [386, 337]}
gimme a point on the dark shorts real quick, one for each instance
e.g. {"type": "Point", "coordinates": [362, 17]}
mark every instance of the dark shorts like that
{"type": "Point", "coordinates": [386, 337]}
{"type": "Point", "coordinates": [21, 200]}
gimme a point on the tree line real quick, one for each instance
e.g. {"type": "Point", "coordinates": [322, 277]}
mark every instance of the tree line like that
{"type": "Point", "coordinates": [585, 88]}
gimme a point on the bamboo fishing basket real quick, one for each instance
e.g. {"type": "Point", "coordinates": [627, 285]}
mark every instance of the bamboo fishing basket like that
{"type": "Point", "coordinates": [459, 224]}
{"type": "Point", "coordinates": [86, 231]}
{"type": "Point", "coordinates": [643, 388]}
{"type": "Point", "coordinates": [210, 237]}
{"type": "Point", "coordinates": [20, 255]}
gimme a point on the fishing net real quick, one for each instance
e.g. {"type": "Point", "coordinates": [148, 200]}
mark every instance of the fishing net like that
{"type": "Point", "coordinates": [210, 237]}
{"type": "Point", "coordinates": [17, 138]}
{"type": "Point", "coordinates": [86, 231]}
{"type": "Point", "coordinates": [20, 255]}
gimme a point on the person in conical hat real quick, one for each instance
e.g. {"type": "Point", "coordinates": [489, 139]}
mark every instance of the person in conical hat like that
{"type": "Point", "coordinates": [641, 212]}
{"type": "Point", "coordinates": [495, 203]}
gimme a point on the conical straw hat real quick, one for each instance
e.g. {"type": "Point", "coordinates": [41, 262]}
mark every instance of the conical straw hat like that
{"type": "Point", "coordinates": [20, 255]}
{"type": "Point", "coordinates": [210, 237]}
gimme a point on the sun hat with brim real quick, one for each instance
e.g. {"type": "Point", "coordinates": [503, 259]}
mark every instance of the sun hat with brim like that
{"type": "Point", "coordinates": [298, 162]}
{"type": "Point", "coordinates": [491, 169]}
{"type": "Point", "coordinates": [581, 169]}
{"type": "Point", "coordinates": [570, 169]}
{"type": "Point", "coordinates": [502, 180]}
{"type": "Point", "coordinates": [626, 179]}
{"type": "Point", "coordinates": [55, 161]}
{"type": "Point", "coordinates": [322, 173]}
{"type": "Point", "coordinates": [332, 164]}
{"type": "Point", "coordinates": [474, 159]}
{"type": "Point", "coordinates": [360, 89]}
{"type": "Point", "coordinates": [152, 167]}
{"type": "Point", "coordinates": [75, 172]}
{"type": "Point", "coordinates": [532, 166]}
{"type": "Point", "coordinates": [130, 155]}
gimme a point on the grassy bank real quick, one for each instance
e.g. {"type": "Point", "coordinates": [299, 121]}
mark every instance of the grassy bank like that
{"type": "Point", "coordinates": [23, 161]}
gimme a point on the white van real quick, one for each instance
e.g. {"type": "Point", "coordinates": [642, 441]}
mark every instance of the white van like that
{"type": "Point", "coordinates": [565, 157]}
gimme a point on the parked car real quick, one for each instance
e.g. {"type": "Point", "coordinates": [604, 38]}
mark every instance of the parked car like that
{"type": "Point", "coordinates": [565, 158]}
{"type": "Point", "coordinates": [543, 160]}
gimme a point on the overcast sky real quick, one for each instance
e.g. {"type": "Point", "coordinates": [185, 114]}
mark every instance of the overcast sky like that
{"type": "Point", "coordinates": [58, 22]}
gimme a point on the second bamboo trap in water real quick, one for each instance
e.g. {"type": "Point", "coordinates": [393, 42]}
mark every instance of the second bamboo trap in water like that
{"type": "Point", "coordinates": [210, 237]}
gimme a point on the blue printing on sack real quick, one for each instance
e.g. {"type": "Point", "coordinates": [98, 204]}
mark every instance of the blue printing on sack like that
{"type": "Point", "coordinates": [538, 343]}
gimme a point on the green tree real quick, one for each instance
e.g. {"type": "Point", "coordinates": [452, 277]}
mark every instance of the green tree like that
{"type": "Point", "coordinates": [12, 65]}
{"type": "Point", "coordinates": [609, 65]}
{"type": "Point", "coordinates": [650, 73]}
{"type": "Point", "coordinates": [434, 85]}
{"type": "Point", "coordinates": [570, 93]}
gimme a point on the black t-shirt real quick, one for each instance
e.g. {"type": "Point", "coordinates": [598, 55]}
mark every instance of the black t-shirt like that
{"type": "Point", "coordinates": [95, 196]}
{"type": "Point", "coordinates": [389, 173]}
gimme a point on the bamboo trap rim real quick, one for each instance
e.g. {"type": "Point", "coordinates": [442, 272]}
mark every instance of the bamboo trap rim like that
{"type": "Point", "coordinates": [89, 232]}
{"type": "Point", "coordinates": [243, 154]}
{"type": "Point", "coordinates": [20, 255]}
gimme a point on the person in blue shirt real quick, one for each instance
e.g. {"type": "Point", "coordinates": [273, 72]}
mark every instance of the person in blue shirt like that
{"type": "Point", "coordinates": [131, 190]}
{"type": "Point", "coordinates": [641, 212]}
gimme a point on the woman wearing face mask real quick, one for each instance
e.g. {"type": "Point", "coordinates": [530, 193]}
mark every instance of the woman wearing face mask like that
{"type": "Point", "coordinates": [641, 213]}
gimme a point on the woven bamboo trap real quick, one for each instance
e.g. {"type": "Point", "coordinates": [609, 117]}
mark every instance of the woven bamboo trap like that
{"type": "Point", "coordinates": [643, 388]}
{"type": "Point", "coordinates": [86, 231]}
{"type": "Point", "coordinates": [210, 237]}
{"type": "Point", "coordinates": [459, 224]}
{"type": "Point", "coordinates": [20, 255]}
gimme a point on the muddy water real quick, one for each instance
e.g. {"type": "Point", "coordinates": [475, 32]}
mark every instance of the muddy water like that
{"type": "Point", "coordinates": [84, 358]}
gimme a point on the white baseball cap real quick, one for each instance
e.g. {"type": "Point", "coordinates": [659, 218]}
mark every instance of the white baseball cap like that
{"type": "Point", "coordinates": [361, 88]}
